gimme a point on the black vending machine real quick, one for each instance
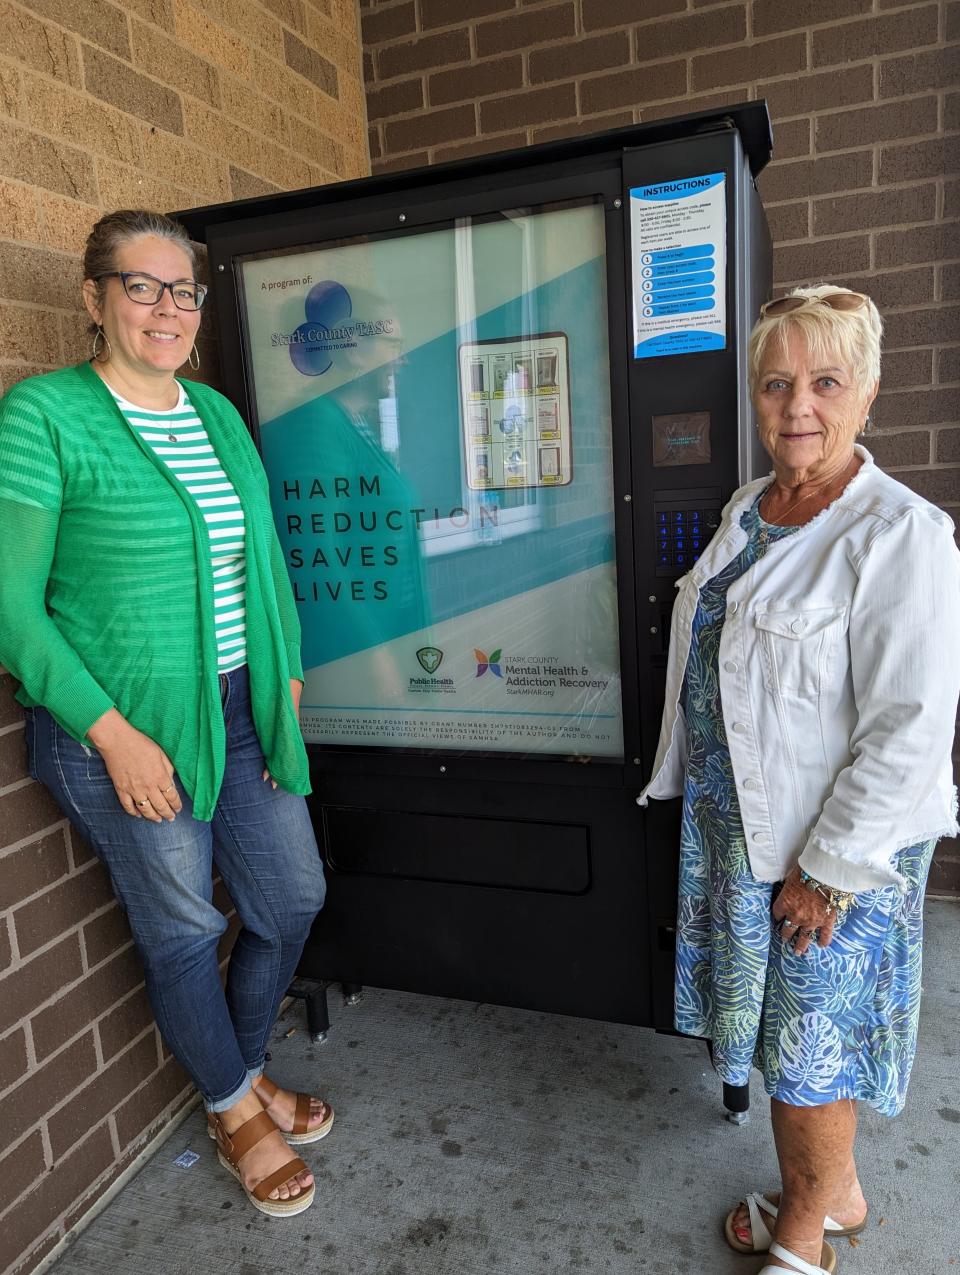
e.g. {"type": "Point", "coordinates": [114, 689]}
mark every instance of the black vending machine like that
{"type": "Point", "coordinates": [501, 404]}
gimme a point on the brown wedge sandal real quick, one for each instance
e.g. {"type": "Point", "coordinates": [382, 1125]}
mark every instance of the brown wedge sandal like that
{"type": "Point", "coordinates": [301, 1133]}
{"type": "Point", "coordinates": [231, 1148]}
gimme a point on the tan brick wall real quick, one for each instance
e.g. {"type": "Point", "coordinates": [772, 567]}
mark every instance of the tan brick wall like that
{"type": "Point", "coordinates": [864, 188]}
{"type": "Point", "coordinates": [147, 103]}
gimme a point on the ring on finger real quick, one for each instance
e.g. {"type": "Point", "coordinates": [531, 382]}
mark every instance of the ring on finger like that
{"type": "Point", "coordinates": [145, 802]}
{"type": "Point", "coordinates": [169, 788]}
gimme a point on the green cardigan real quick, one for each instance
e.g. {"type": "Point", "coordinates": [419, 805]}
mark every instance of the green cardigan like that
{"type": "Point", "coordinates": [106, 593]}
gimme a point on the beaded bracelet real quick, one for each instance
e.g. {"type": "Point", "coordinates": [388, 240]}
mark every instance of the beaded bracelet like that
{"type": "Point", "coordinates": [837, 900]}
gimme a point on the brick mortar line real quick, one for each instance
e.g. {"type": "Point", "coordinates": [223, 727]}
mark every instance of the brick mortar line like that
{"type": "Point", "coordinates": [891, 143]}
{"type": "Point", "coordinates": [35, 1064]}
{"type": "Point", "coordinates": [125, 946]}
{"type": "Point", "coordinates": [21, 962]}
{"type": "Point", "coordinates": [860, 190]}
{"type": "Point", "coordinates": [939, 135]}
{"type": "Point", "coordinates": [92, 97]}
{"type": "Point", "coordinates": [114, 1137]}
{"type": "Point", "coordinates": [908, 184]}
{"type": "Point", "coordinates": [82, 88]}
{"type": "Point", "coordinates": [84, 1083]}
{"type": "Point", "coordinates": [140, 169]}
{"type": "Point", "coordinates": [66, 876]}
{"type": "Point", "coordinates": [472, 24]}
{"type": "Point", "coordinates": [275, 140]}
{"type": "Point", "coordinates": [143, 171]}
{"type": "Point", "coordinates": [14, 726]}
{"type": "Point", "coordinates": [80, 38]}
{"type": "Point", "coordinates": [635, 63]}
{"type": "Point", "coordinates": [17, 785]}
{"type": "Point", "coordinates": [33, 836]}
{"type": "Point", "coordinates": [51, 1163]}
{"type": "Point", "coordinates": [809, 157]}
{"type": "Point", "coordinates": [168, 1121]}
{"type": "Point", "coordinates": [73, 90]}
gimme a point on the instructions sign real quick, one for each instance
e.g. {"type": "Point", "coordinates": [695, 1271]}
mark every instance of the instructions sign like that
{"type": "Point", "coordinates": [515, 412]}
{"type": "Point", "coordinates": [679, 232]}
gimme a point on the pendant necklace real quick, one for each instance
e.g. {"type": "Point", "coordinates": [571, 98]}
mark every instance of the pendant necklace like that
{"type": "Point", "coordinates": [171, 436]}
{"type": "Point", "coordinates": [764, 536]}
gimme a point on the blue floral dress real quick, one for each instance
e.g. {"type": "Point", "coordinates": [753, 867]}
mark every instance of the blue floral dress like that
{"type": "Point", "coordinates": [839, 1022]}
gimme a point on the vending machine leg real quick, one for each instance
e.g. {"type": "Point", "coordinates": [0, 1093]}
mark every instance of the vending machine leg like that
{"type": "Point", "coordinates": [314, 994]}
{"type": "Point", "coordinates": [736, 1099]}
{"type": "Point", "coordinates": [352, 993]}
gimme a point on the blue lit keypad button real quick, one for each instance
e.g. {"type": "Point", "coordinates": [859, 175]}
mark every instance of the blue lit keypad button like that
{"type": "Point", "coordinates": [677, 515]}
{"type": "Point", "coordinates": [680, 559]}
{"type": "Point", "coordinates": [679, 543]}
{"type": "Point", "coordinates": [695, 543]}
{"type": "Point", "coordinates": [694, 515]}
{"type": "Point", "coordinates": [664, 560]}
{"type": "Point", "coordinates": [663, 516]}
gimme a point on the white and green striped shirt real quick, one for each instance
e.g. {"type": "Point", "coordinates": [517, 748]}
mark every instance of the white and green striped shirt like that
{"type": "Point", "coordinates": [179, 440]}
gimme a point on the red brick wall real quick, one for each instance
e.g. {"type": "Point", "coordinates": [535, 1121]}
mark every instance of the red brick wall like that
{"type": "Point", "coordinates": [164, 104]}
{"type": "Point", "coordinates": [864, 188]}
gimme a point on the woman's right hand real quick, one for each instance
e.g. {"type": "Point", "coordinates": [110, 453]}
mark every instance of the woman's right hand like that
{"type": "Point", "coordinates": [141, 771]}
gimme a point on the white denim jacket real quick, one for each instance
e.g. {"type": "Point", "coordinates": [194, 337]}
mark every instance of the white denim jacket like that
{"type": "Point", "coordinates": [839, 675]}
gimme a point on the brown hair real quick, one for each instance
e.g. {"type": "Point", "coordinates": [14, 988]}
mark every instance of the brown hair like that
{"type": "Point", "coordinates": [118, 228]}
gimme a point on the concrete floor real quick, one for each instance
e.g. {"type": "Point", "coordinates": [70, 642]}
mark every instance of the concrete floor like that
{"type": "Point", "coordinates": [476, 1140]}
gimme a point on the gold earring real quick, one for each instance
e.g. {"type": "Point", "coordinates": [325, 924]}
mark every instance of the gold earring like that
{"type": "Point", "coordinates": [99, 336]}
{"type": "Point", "coordinates": [193, 358]}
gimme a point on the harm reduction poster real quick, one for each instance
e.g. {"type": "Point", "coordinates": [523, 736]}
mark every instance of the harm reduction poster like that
{"type": "Point", "coordinates": [679, 234]}
{"type": "Point", "coordinates": [452, 595]}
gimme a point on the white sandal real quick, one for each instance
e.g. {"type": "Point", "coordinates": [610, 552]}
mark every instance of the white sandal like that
{"type": "Point", "coordinates": [758, 1204]}
{"type": "Point", "coordinates": [794, 1263]}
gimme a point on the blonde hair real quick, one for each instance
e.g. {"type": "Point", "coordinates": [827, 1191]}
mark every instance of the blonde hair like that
{"type": "Point", "coordinates": [850, 337]}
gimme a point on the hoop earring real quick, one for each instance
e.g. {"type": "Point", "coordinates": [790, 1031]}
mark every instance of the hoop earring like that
{"type": "Point", "coordinates": [193, 358]}
{"type": "Point", "coordinates": [99, 336]}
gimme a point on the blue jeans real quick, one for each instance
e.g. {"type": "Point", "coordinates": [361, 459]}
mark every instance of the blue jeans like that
{"type": "Point", "coordinates": [260, 841]}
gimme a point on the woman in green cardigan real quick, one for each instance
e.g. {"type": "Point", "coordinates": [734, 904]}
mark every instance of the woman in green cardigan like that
{"type": "Point", "coordinates": [146, 610]}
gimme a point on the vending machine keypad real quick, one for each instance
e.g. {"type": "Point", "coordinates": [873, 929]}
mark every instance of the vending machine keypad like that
{"type": "Point", "coordinates": [681, 535]}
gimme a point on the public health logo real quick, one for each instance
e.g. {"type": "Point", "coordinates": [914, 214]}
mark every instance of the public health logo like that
{"type": "Point", "coordinates": [327, 306]}
{"type": "Point", "coordinates": [430, 658]}
{"type": "Point", "coordinates": [491, 662]}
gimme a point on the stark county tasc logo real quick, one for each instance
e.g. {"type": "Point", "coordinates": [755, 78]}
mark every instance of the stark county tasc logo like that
{"type": "Point", "coordinates": [312, 346]}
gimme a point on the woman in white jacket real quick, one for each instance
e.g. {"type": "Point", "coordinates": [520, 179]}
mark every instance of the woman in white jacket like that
{"type": "Point", "coordinates": [811, 696]}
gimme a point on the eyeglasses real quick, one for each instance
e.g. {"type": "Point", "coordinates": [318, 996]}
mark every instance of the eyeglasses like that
{"type": "Point", "coordinates": [145, 289]}
{"type": "Point", "coordinates": [844, 301]}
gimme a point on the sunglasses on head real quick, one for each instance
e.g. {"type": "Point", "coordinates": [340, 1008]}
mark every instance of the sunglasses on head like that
{"type": "Point", "coordinates": [835, 300]}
